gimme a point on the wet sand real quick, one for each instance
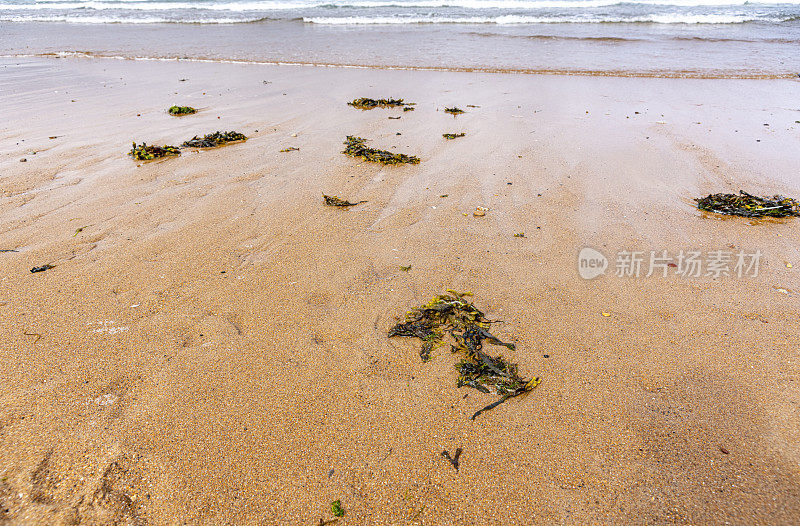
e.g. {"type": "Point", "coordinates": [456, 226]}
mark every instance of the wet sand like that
{"type": "Point", "coordinates": [210, 347]}
{"type": "Point", "coordinates": [742, 50]}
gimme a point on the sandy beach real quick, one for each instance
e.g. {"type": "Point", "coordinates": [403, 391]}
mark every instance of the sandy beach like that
{"type": "Point", "coordinates": [210, 346]}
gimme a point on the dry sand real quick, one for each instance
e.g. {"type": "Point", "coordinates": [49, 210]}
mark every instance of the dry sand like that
{"type": "Point", "coordinates": [211, 347]}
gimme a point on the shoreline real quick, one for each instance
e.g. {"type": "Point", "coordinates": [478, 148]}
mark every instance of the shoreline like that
{"type": "Point", "coordinates": [697, 75]}
{"type": "Point", "coordinates": [589, 49]}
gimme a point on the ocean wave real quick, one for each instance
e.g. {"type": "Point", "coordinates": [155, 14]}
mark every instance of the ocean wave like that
{"type": "Point", "coordinates": [672, 18]}
{"type": "Point", "coordinates": [280, 5]}
{"type": "Point", "coordinates": [150, 6]}
{"type": "Point", "coordinates": [77, 19]}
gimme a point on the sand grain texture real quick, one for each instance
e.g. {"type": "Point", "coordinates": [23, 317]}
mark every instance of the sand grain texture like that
{"type": "Point", "coordinates": [213, 343]}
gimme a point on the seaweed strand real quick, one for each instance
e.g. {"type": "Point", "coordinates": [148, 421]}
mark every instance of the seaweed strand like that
{"type": "Point", "coordinates": [747, 205]}
{"type": "Point", "coordinates": [356, 147]}
{"type": "Point", "coordinates": [452, 314]}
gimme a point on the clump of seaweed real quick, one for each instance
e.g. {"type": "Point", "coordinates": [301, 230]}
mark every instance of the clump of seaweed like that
{"type": "Point", "coordinates": [365, 103]}
{"type": "Point", "coordinates": [145, 152]}
{"type": "Point", "coordinates": [332, 200]}
{"type": "Point", "coordinates": [451, 314]}
{"type": "Point", "coordinates": [747, 205]}
{"type": "Point", "coordinates": [408, 108]}
{"type": "Point", "coordinates": [337, 509]}
{"type": "Point", "coordinates": [181, 110]}
{"type": "Point", "coordinates": [290, 149]}
{"type": "Point", "coordinates": [212, 140]}
{"type": "Point", "coordinates": [451, 136]}
{"type": "Point", "coordinates": [356, 147]}
{"type": "Point", "coordinates": [453, 111]}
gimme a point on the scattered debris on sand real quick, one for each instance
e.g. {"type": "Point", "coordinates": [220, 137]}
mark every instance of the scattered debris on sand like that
{"type": "Point", "coordinates": [405, 268]}
{"type": "Point", "coordinates": [468, 327]}
{"type": "Point", "coordinates": [181, 110]}
{"type": "Point", "coordinates": [519, 234]}
{"type": "Point", "coordinates": [365, 103]}
{"type": "Point", "coordinates": [212, 140]}
{"type": "Point", "coordinates": [452, 459]}
{"type": "Point", "coordinates": [42, 268]}
{"type": "Point", "coordinates": [453, 111]}
{"type": "Point", "coordinates": [356, 147]}
{"type": "Point", "coordinates": [451, 136]}
{"type": "Point", "coordinates": [291, 149]}
{"type": "Point", "coordinates": [332, 200]}
{"type": "Point", "coordinates": [144, 152]}
{"type": "Point", "coordinates": [337, 509]}
{"type": "Point", "coordinates": [408, 108]}
{"type": "Point", "coordinates": [747, 205]}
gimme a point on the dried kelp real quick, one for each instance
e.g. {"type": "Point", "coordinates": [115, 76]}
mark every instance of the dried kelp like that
{"type": "Point", "coordinates": [212, 140]}
{"type": "Point", "coordinates": [42, 268]}
{"type": "Point", "coordinates": [747, 205]}
{"type": "Point", "coordinates": [451, 136]}
{"type": "Point", "coordinates": [356, 147]}
{"type": "Point", "coordinates": [451, 314]}
{"type": "Point", "coordinates": [332, 200]}
{"type": "Point", "coordinates": [144, 152]}
{"type": "Point", "coordinates": [365, 103]}
{"type": "Point", "coordinates": [453, 111]}
{"type": "Point", "coordinates": [181, 110]}
{"type": "Point", "coordinates": [290, 149]}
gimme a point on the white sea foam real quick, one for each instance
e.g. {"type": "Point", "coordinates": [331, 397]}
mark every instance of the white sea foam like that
{"type": "Point", "coordinates": [255, 5]}
{"type": "Point", "coordinates": [669, 18]}
{"type": "Point", "coordinates": [151, 6]}
{"type": "Point", "coordinates": [374, 12]}
{"type": "Point", "coordinates": [673, 18]}
{"type": "Point", "coordinates": [119, 20]}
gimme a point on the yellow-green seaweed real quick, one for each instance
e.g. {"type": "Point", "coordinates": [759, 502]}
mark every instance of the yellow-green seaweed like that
{"type": "Point", "coordinates": [356, 147]}
{"type": "Point", "coordinates": [145, 152]}
{"type": "Point", "coordinates": [452, 314]}
{"type": "Point", "coordinates": [747, 205]}
{"type": "Point", "coordinates": [181, 110]}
